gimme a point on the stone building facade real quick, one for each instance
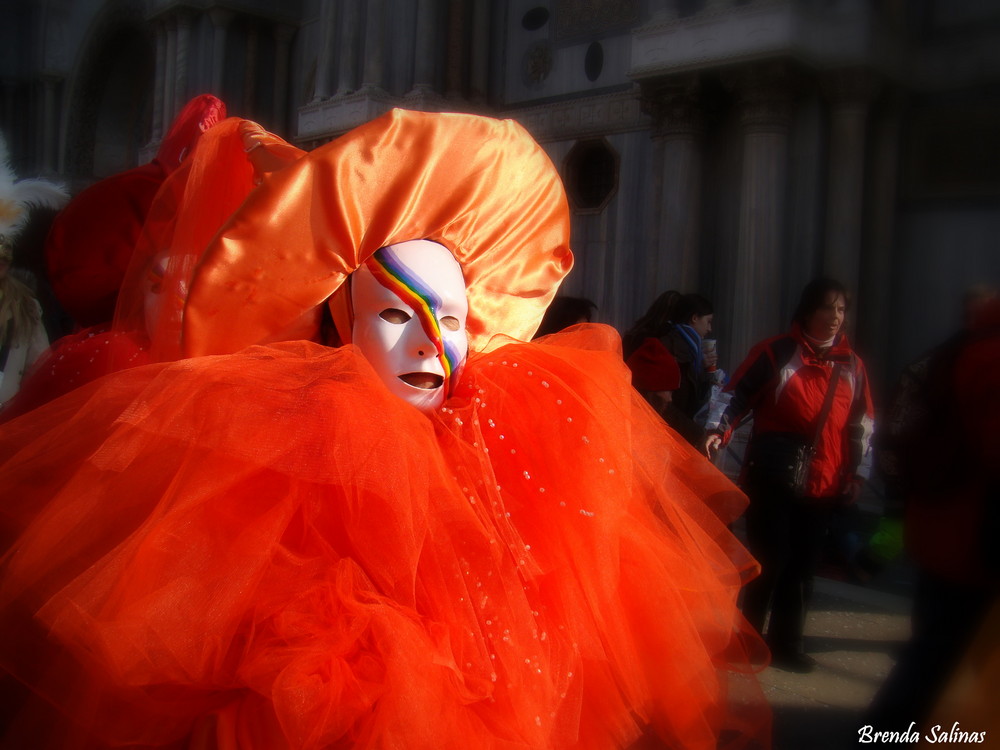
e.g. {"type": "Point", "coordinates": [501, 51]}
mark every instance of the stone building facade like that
{"type": "Point", "coordinates": [732, 147]}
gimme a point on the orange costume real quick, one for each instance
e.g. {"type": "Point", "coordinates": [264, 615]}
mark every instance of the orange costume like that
{"type": "Point", "coordinates": [260, 547]}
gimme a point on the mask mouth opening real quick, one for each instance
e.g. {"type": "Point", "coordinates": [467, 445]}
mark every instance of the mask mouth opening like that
{"type": "Point", "coordinates": [427, 381]}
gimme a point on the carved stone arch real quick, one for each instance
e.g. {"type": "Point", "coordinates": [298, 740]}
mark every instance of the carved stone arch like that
{"type": "Point", "coordinates": [109, 112]}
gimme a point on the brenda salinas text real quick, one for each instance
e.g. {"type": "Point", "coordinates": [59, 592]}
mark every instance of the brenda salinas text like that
{"type": "Point", "coordinates": [937, 734]}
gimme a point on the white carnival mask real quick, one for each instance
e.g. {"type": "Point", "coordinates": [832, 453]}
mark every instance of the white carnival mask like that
{"type": "Point", "coordinates": [409, 319]}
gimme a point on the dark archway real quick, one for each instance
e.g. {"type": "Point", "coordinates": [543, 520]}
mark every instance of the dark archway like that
{"type": "Point", "coordinates": [110, 104]}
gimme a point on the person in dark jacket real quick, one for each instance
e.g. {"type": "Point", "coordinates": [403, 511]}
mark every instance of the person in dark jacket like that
{"type": "Point", "coordinates": [783, 384]}
{"type": "Point", "coordinates": [657, 376]}
{"type": "Point", "coordinates": [692, 318]}
{"type": "Point", "coordinates": [680, 322]}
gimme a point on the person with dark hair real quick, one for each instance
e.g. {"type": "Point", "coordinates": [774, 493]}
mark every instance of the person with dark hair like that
{"type": "Point", "coordinates": [680, 322]}
{"type": "Point", "coordinates": [808, 394]}
{"type": "Point", "coordinates": [692, 322]}
{"type": "Point", "coordinates": [565, 312]}
{"type": "Point", "coordinates": [657, 376]}
{"type": "Point", "coordinates": [655, 322]}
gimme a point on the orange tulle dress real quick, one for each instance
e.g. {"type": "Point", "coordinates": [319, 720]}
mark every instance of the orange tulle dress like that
{"type": "Point", "coordinates": [266, 549]}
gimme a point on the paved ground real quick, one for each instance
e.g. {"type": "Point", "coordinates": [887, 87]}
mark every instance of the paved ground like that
{"type": "Point", "coordinates": [854, 633]}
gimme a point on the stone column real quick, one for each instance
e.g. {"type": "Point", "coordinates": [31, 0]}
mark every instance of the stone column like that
{"type": "Point", "coordinates": [765, 111]}
{"type": "Point", "coordinates": [169, 87]}
{"type": "Point", "coordinates": [874, 309]}
{"type": "Point", "coordinates": [373, 74]}
{"type": "Point", "coordinates": [425, 50]}
{"type": "Point", "coordinates": [327, 47]}
{"type": "Point", "coordinates": [351, 31]}
{"type": "Point", "coordinates": [479, 74]}
{"type": "Point", "coordinates": [7, 109]}
{"type": "Point", "coordinates": [181, 65]}
{"type": "Point", "coordinates": [50, 125]}
{"type": "Point", "coordinates": [677, 133]}
{"type": "Point", "coordinates": [849, 93]}
{"type": "Point", "coordinates": [283, 34]}
{"type": "Point", "coordinates": [250, 73]}
{"type": "Point", "coordinates": [457, 49]}
{"type": "Point", "coordinates": [159, 89]}
{"type": "Point", "coordinates": [221, 19]}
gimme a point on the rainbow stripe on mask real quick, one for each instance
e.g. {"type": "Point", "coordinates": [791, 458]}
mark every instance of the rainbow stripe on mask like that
{"type": "Point", "coordinates": [392, 273]}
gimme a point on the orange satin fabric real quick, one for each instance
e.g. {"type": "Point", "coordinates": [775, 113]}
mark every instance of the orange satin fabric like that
{"type": "Point", "coordinates": [229, 163]}
{"type": "Point", "coordinates": [193, 202]}
{"type": "Point", "coordinates": [481, 187]}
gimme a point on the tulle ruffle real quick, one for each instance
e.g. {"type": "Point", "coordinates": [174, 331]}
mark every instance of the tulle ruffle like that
{"type": "Point", "coordinates": [269, 550]}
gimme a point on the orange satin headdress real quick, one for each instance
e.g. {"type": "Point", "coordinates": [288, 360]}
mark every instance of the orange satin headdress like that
{"type": "Point", "coordinates": [481, 187]}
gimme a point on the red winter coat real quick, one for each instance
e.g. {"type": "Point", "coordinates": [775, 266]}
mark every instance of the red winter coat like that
{"type": "Point", "coordinates": [783, 382]}
{"type": "Point", "coordinates": [952, 500]}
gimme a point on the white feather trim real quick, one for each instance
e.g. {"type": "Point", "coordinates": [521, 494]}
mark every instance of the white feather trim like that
{"type": "Point", "coordinates": [18, 195]}
{"type": "Point", "coordinates": [41, 193]}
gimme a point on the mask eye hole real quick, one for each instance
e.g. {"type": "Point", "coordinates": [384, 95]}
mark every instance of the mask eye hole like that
{"type": "Point", "coordinates": [450, 322]}
{"type": "Point", "coordinates": [394, 315]}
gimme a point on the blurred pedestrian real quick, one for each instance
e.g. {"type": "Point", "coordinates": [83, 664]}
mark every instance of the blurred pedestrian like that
{"type": "Point", "coordinates": [687, 340]}
{"type": "Point", "coordinates": [657, 376]}
{"type": "Point", "coordinates": [808, 394]}
{"type": "Point", "coordinates": [22, 333]}
{"type": "Point", "coordinates": [681, 323]}
{"type": "Point", "coordinates": [940, 463]}
{"type": "Point", "coordinates": [654, 323]}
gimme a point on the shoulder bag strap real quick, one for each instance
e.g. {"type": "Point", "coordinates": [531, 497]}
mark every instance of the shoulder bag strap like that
{"type": "Point", "coordinates": [824, 412]}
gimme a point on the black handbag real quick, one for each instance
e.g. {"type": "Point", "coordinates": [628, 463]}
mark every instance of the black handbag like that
{"type": "Point", "coordinates": [780, 459]}
{"type": "Point", "coordinates": [783, 459]}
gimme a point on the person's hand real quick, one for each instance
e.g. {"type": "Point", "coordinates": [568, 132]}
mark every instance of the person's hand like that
{"type": "Point", "coordinates": [853, 491]}
{"type": "Point", "coordinates": [660, 400]}
{"type": "Point", "coordinates": [713, 441]}
{"type": "Point", "coordinates": [711, 361]}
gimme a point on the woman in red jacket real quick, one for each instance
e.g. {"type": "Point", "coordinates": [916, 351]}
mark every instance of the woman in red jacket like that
{"type": "Point", "coordinates": [784, 383]}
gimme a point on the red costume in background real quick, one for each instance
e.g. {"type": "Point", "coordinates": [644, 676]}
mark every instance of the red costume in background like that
{"type": "Point", "coordinates": [89, 249]}
{"type": "Point", "coordinates": [267, 549]}
{"type": "Point", "coordinates": [177, 228]}
{"type": "Point", "coordinates": [91, 241]}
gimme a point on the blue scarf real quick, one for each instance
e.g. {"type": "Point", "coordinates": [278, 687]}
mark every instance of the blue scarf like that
{"type": "Point", "coordinates": [694, 341]}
